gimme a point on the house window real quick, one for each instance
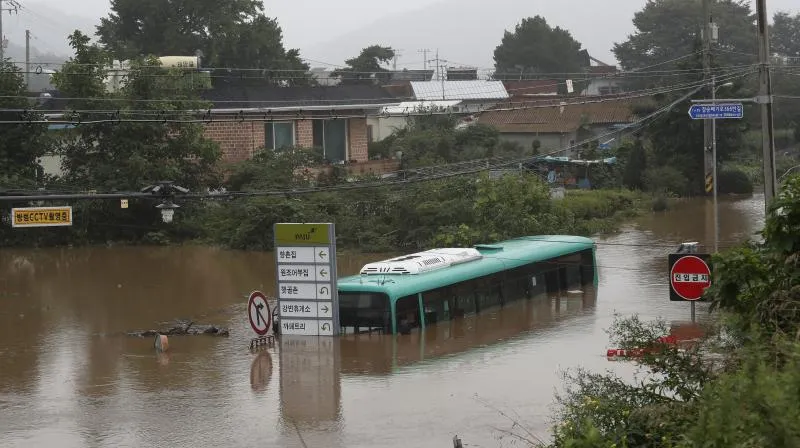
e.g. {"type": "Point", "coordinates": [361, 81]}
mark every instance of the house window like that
{"type": "Point", "coordinates": [370, 135]}
{"type": "Point", "coordinates": [331, 136]}
{"type": "Point", "coordinates": [278, 135]}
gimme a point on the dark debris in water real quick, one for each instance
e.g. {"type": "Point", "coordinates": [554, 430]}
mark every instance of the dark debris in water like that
{"type": "Point", "coordinates": [183, 328]}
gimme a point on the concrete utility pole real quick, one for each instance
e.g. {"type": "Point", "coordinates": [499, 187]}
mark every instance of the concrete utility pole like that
{"type": "Point", "coordinates": [397, 54]}
{"type": "Point", "coordinates": [13, 6]}
{"type": "Point", "coordinates": [708, 162]}
{"type": "Point", "coordinates": [424, 52]}
{"type": "Point", "coordinates": [437, 63]}
{"type": "Point", "coordinates": [28, 60]}
{"type": "Point", "coordinates": [765, 99]}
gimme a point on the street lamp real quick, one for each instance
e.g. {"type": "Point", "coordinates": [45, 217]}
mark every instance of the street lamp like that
{"type": "Point", "coordinates": [166, 190]}
{"type": "Point", "coordinates": [714, 157]}
{"type": "Point", "coordinates": [167, 210]}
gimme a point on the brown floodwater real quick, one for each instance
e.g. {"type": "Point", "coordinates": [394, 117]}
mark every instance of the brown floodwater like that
{"type": "Point", "coordinates": [69, 379]}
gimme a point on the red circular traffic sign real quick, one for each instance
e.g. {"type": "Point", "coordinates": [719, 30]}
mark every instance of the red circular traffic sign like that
{"type": "Point", "coordinates": [258, 313]}
{"type": "Point", "coordinates": [689, 277]}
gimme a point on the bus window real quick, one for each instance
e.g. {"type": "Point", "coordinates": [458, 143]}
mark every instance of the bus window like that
{"type": "Point", "coordinates": [488, 292]}
{"type": "Point", "coordinates": [516, 284]}
{"type": "Point", "coordinates": [437, 308]}
{"type": "Point", "coordinates": [364, 311]}
{"type": "Point", "coordinates": [587, 267]}
{"type": "Point", "coordinates": [407, 314]}
{"type": "Point", "coordinates": [464, 295]}
{"type": "Point", "coordinates": [569, 271]}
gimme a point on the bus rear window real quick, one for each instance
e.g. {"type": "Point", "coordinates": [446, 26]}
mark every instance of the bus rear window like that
{"type": "Point", "coordinates": [364, 311]}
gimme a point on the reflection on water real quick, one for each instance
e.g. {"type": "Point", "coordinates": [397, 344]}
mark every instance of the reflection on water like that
{"type": "Point", "coordinates": [69, 379]}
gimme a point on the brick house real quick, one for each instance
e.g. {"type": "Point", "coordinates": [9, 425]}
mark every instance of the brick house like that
{"type": "Point", "coordinates": [246, 119]}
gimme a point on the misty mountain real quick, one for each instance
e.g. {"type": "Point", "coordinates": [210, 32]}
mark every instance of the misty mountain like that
{"type": "Point", "coordinates": [49, 28]}
{"type": "Point", "coordinates": [466, 32]}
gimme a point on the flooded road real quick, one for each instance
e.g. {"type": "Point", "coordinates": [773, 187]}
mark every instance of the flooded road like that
{"type": "Point", "coordinates": [67, 379]}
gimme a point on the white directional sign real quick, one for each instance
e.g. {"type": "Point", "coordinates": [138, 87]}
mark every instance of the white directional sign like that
{"type": "Point", "coordinates": [306, 279]}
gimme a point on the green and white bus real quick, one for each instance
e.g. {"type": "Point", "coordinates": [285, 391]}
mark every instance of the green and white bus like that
{"type": "Point", "coordinates": [417, 290]}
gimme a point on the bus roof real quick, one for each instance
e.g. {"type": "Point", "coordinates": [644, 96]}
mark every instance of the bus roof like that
{"type": "Point", "coordinates": [496, 257]}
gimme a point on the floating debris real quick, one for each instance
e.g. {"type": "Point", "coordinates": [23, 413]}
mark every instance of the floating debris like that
{"type": "Point", "coordinates": [183, 328]}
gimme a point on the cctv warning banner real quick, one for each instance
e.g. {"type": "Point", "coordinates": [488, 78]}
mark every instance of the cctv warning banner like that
{"type": "Point", "coordinates": [41, 216]}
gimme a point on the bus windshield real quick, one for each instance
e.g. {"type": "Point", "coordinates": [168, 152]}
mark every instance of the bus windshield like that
{"type": "Point", "coordinates": [364, 312]}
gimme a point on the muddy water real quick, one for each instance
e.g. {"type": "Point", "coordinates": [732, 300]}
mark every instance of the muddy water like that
{"type": "Point", "coordinates": [67, 379]}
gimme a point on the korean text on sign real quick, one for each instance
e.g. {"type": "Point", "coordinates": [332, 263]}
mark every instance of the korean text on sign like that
{"type": "Point", "coordinates": [690, 278]}
{"type": "Point", "coordinates": [292, 308]}
{"type": "Point", "coordinates": [42, 216]}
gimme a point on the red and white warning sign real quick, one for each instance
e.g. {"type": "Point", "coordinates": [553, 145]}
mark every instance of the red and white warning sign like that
{"type": "Point", "coordinates": [690, 275]}
{"type": "Point", "coordinates": [259, 313]}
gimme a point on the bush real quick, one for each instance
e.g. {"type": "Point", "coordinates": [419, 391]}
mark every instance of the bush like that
{"type": "Point", "coordinates": [660, 203]}
{"type": "Point", "coordinates": [733, 181]}
{"type": "Point", "coordinates": [665, 180]}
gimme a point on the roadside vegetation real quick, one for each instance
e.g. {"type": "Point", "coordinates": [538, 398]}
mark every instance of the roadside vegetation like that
{"type": "Point", "coordinates": [737, 386]}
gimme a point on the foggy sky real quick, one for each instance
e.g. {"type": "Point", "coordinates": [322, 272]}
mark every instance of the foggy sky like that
{"type": "Point", "coordinates": [331, 31]}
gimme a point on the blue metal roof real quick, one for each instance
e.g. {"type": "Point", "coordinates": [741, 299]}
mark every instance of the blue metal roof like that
{"type": "Point", "coordinates": [496, 258]}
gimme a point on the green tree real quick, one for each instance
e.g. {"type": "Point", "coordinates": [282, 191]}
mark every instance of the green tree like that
{"type": "Point", "coordinates": [110, 153]}
{"type": "Point", "coordinates": [21, 144]}
{"type": "Point", "coordinates": [670, 29]}
{"type": "Point", "coordinates": [229, 34]}
{"type": "Point", "coordinates": [677, 142]}
{"type": "Point", "coordinates": [536, 47]}
{"type": "Point", "coordinates": [366, 68]}
{"type": "Point", "coordinates": [635, 166]}
{"type": "Point", "coordinates": [785, 34]}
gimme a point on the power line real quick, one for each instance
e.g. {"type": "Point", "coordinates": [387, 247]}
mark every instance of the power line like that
{"type": "Point", "coordinates": [423, 174]}
{"type": "Point", "coordinates": [162, 115]}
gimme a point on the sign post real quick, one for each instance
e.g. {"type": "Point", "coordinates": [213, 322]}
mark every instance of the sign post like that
{"type": "Point", "coordinates": [714, 112]}
{"type": "Point", "coordinates": [41, 216]}
{"type": "Point", "coordinates": [308, 301]}
{"type": "Point", "coordinates": [690, 275]}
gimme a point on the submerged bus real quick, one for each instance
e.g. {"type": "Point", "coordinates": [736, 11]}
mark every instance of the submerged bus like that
{"type": "Point", "coordinates": [418, 290]}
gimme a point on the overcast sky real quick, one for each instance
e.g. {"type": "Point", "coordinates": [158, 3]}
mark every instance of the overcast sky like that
{"type": "Point", "coordinates": [329, 31]}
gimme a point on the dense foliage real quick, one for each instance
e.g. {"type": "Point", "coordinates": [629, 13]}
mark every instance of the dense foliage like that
{"type": "Point", "coordinates": [436, 139]}
{"type": "Point", "coordinates": [460, 210]}
{"type": "Point", "coordinates": [228, 34]}
{"type": "Point", "coordinates": [21, 144]}
{"type": "Point", "coordinates": [736, 387]}
{"type": "Point", "coordinates": [366, 68]}
{"type": "Point", "coordinates": [535, 47]}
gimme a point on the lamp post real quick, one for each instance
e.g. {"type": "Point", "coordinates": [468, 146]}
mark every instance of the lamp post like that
{"type": "Point", "coordinates": [166, 190]}
{"type": "Point", "coordinates": [167, 210]}
{"type": "Point", "coordinates": [714, 89]}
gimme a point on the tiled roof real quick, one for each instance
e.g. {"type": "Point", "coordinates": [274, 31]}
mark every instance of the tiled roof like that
{"type": "Point", "coordinates": [531, 87]}
{"type": "Point", "coordinates": [558, 119]}
{"type": "Point", "coordinates": [252, 97]}
{"type": "Point", "coordinates": [459, 90]}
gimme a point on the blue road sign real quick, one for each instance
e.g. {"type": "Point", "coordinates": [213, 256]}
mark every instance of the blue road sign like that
{"type": "Point", "coordinates": [716, 111]}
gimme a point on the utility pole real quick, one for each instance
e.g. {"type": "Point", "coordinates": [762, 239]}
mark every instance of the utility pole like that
{"type": "Point", "coordinates": [13, 6]}
{"type": "Point", "coordinates": [424, 52]}
{"type": "Point", "coordinates": [28, 60]}
{"type": "Point", "coordinates": [437, 64]}
{"type": "Point", "coordinates": [714, 157]}
{"type": "Point", "coordinates": [397, 54]}
{"type": "Point", "coordinates": [765, 99]}
{"type": "Point", "coordinates": [708, 162]}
